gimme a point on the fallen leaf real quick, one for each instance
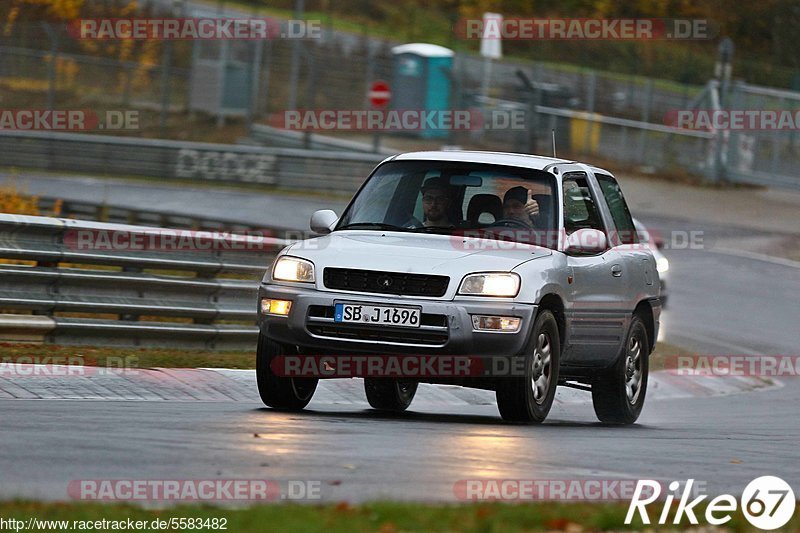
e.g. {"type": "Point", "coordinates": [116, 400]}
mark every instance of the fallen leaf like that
{"type": "Point", "coordinates": [342, 507]}
{"type": "Point", "coordinates": [483, 512]}
{"type": "Point", "coordinates": [557, 523]}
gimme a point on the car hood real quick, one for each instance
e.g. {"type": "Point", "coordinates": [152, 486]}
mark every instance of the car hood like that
{"type": "Point", "coordinates": [453, 256]}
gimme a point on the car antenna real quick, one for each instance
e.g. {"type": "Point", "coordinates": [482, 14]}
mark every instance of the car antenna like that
{"type": "Point", "coordinates": [554, 142]}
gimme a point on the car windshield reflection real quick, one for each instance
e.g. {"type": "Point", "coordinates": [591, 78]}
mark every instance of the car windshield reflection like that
{"type": "Point", "coordinates": [457, 198]}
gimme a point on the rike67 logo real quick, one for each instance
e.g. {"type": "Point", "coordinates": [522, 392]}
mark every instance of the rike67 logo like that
{"type": "Point", "coordinates": [768, 503]}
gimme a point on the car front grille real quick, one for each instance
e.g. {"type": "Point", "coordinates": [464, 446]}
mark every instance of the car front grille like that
{"type": "Point", "coordinates": [349, 279]}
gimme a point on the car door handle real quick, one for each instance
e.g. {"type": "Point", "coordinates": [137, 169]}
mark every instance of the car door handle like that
{"type": "Point", "coordinates": [616, 271]}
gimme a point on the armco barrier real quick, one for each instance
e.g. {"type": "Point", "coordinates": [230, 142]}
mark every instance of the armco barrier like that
{"type": "Point", "coordinates": [70, 282]}
{"type": "Point", "coordinates": [226, 163]}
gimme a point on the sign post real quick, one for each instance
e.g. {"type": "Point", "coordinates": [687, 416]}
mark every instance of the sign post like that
{"type": "Point", "coordinates": [491, 45]}
{"type": "Point", "coordinates": [379, 95]}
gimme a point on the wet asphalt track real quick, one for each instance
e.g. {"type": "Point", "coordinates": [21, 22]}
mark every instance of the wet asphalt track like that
{"type": "Point", "coordinates": [719, 304]}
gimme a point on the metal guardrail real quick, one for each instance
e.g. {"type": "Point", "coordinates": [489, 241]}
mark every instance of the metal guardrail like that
{"type": "Point", "coordinates": [755, 158]}
{"type": "Point", "coordinates": [77, 282]}
{"type": "Point", "coordinates": [103, 212]}
{"type": "Point", "coordinates": [663, 148]}
{"type": "Point", "coordinates": [269, 136]}
{"type": "Point", "coordinates": [191, 161]}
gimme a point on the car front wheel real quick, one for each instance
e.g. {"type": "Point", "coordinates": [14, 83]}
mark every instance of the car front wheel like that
{"type": "Point", "coordinates": [529, 398]}
{"type": "Point", "coordinates": [276, 391]}
{"type": "Point", "coordinates": [618, 395]}
{"type": "Point", "coordinates": [388, 394]}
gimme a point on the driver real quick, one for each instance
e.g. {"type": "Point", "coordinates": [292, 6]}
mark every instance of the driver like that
{"type": "Point", "coordinates": [518, 205]}
{"type": "Point", "coordinates": [436, 203]}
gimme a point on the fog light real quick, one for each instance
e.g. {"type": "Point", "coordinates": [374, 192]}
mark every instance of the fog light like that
{"type": "Point", "coordinates": [507, 324]}
{"type": "Point", "coordinates": [275, 307]}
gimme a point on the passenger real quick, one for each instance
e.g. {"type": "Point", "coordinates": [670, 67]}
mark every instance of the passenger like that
{"type": "Point", "coordinates": [518, 205]}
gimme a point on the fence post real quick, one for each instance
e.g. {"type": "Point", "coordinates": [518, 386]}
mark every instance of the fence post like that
{"type": "Point", "coordinates": [165, 64]}
{"type": "Point", "coordinates": [294, 66]}
{"type": "Point", "coordinates": [126, 89]}
{"type": "Point", "coordinates": [648, 100]}
{"type": "Point", "coordinates": [723, 73]}
{"type": "Point", "coordinates": [590, 124]}
{"type": "Point", "coordinates": [51, 70]}
{"type": "Point", "coordinates": [263, 103]}
{"type": "Point", "coordinates": [776, 139]}
{"type": "Point", "coordinates": [252, 111]}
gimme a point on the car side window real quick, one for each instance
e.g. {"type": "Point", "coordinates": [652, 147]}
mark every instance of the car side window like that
{"type": "Point", "coordinates": [580, 210]}
{"type": "Point", "coordinates": [619, 209]}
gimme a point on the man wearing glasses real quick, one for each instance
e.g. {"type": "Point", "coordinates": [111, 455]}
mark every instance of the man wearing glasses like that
{"type": "Point", "coordinates": [436, 203]}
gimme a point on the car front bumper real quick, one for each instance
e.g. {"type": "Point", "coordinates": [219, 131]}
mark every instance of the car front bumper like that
{"type": "Point", "coordinates": [446, 325]}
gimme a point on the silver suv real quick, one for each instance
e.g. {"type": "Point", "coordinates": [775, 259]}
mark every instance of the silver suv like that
{"type": "Point", "coordinates": [528, 261]}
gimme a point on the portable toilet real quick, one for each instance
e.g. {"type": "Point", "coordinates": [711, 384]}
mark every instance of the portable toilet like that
{"type": "Point", "coordinates": [421, 80]}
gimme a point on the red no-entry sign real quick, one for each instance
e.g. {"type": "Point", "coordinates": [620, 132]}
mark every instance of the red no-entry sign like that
{"type": "Point", "coordinates": [379, 93]}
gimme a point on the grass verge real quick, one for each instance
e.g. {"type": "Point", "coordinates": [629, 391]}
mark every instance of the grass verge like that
{"type": "Point", "coordinates": [131, 357]}
{"type": "Point", "coordinates": [177, 358]}
{"type": "Point", "coordinates": [385, 517]}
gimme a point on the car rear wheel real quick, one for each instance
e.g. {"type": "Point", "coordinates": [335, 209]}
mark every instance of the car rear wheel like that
{"type": "Point", "coordinates": [618, 396]}
{"type": "Point", "coordinates": [279, 392]}
{"type": "Point", "coordinates": [529, 398]}
{"type": "Point", "coordinates": [388, 394]}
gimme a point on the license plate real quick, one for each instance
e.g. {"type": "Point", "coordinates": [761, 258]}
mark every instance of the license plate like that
{"type": "Point", "coordinates": [381, 315]}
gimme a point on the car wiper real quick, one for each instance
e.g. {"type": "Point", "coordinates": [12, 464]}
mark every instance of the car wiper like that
{"type": "Point", "coordinates": [373, 225]}
{"type": "Point", "coordinates": [430, 229]}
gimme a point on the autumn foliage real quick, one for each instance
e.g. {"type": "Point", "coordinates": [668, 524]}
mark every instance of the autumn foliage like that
{"type": "Point", "coordinates": [14, 201]}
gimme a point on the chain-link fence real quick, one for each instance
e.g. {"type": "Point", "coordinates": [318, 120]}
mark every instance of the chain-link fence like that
{"type": "Point", "coordinates": [46, 79]}
{"type": "Point", "coordinates": [760, 155]}
{"type": "Point", "coordinates": [605, 115]}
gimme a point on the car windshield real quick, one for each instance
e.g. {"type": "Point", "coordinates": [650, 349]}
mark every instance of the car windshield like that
{"type": "Point", "coordinates": [457, 198]}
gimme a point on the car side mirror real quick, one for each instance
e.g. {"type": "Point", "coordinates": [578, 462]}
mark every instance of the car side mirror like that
{"type": "Point", "coordinates": [323, 221]}
{"type": "Point", "coordinates": [586, 241]}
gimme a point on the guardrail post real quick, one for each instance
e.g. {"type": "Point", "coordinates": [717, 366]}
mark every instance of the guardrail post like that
{"type": "Point", "coordinates": [128, 317]}
{"type": "Point", "coordinates": [102, 213]}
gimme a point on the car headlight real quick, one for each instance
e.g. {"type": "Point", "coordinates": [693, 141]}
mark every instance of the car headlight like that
{"type": "Point", "coordinates": [293, 269]}
{"type": "Point", "coordinates": [490, 284]}
{"type": "Point", "coordinates": [662, 265]}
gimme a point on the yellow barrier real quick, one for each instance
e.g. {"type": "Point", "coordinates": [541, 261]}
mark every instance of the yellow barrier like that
{"type": "Point", "coordinates": [584, 133]}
